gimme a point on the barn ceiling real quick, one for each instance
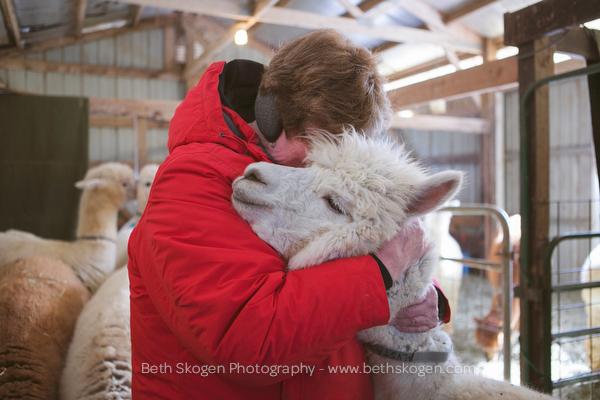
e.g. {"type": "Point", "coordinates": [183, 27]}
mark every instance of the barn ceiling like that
{"type": "Point", "coordinates": [407, 32]}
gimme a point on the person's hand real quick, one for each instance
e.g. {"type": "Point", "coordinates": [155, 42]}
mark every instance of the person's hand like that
{"type": "Point", "coordinates": [404, 249]}
{"type": "Point", "coordinates": [419, 317]}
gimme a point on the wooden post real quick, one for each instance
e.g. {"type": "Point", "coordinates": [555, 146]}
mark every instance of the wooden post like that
{"type": "Point", "coordinates": [536, 62]}
{"type": "Point", "coordinates": [488, 162]}
{"type": "Point", "coordinates": [142, 141]}
{"type": "Point", "coordinates": [169, 47]}
{"type": "Point", "coordinates": [594, 89]}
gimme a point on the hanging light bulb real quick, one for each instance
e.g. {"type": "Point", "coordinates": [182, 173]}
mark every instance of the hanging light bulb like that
{"type": "Point", "coordinates": [241, 37]}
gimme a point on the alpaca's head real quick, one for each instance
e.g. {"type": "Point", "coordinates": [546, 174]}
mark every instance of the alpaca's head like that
{"type": "Point", "coordinates": [349, 200]}
{"type": "Point", "coordinates": [110, 183]}
{"type": "Point", "coordinates": [144, 184]}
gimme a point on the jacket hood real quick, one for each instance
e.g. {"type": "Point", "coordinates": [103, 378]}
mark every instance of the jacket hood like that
{"type": "Point", "coordinates": [200, 118]}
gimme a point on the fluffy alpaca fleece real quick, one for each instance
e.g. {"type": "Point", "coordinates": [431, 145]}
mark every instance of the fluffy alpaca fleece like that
{"type": "Point", "coordinates": [143, 186]}
{"type": "Point", "coordinates": [347, 202]}
{"type": "Point", "coordinates": [98, 363]}
{"type": "Point", "coordinates": [92, 256]}
{"type": "Point", "coordinates": [488, 332]}
{"type": "Point", "coordinates": [590, 271]}
{"type": "Point", "coordinates": [447, 273]}
{"type": "Point", "coordinates": [40, 298]}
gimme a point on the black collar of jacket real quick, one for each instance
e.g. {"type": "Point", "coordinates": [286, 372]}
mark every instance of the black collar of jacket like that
{"type": "Point", "coordinates": [238, 86]}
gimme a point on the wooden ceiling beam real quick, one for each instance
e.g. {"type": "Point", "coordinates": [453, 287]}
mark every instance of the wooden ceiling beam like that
{"type": "Point", "coordinates": [469, 9]}
{"type": "Point", "coordinates": [86, 69]}
{"type": "Point", "coordinates": [150, 23]}
{"type": "Point", "coordinates": [364, 6]}
{"type": "Point", "coordinates": [80, 7]}
{"type": "Point", "coordinates": [226, 39]}
{"type": "Point", "coordinates": [427, 66]}
{"type": "Point", "coordinates": [442, 123]}
{"type": "Point", "coordinates": [123, 122]}
{"type": "Point", "coordinates": [11, 22]}
{"type": "Point", "coordinates": [547, 18]}
{"type": "Point", "coordinates": [136, 15]}
{"type": "Point", "coordinates": [162, 110]}
{"type": "Point", "coordinates": [311, 20]}
{"type": "Point", "coordinates": [352, 8]}
{"type": "Point", "coordinates": [486, 78]}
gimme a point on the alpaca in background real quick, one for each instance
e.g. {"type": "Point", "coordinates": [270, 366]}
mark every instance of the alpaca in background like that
{"type": "Point", "coordinates": [106, 188]}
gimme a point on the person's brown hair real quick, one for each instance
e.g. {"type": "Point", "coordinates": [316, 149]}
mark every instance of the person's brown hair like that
{"type": "Point", "coordinates": [322, 80]}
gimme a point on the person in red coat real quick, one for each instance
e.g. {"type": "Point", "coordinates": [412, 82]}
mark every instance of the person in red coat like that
{"type": "Point", "coordinates": [214, 314]}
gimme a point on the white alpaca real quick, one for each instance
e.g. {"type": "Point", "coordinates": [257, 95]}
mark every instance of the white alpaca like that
{"type": "Point", "coordinates": [98, 363]}
{"type": "Point", "coordinates": [348, 202]}
{"type": "Point", "coordinates": [447, 273]}
{"type": "Point", "coordinates": [591, 272]}
{"type": "Point", "coordinates": [105, 189]}
{"type": "Point", "coordinates": [143, 186]}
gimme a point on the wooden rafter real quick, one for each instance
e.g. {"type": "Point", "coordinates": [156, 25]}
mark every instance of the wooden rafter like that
{"type": "Point", "coordinates": [364, 6]}
{"type": "Point", "coordinates": [442, 123]}
{"type": "Point", "coordinates": [80, 7]}
{"type": "Point", "coordinates": [352, 8]}
{"type": "Point", "coordinates": [123, 122]}
{"type": "Point", "coordinates": [89, 69]}
{"type": "Point", "coordinates": [11, 21]}
{"type": "Point", "coordinates": [311, 20]}
{"type": "Point", "coordinates": [427, 66]}
{"type": "Point", "coordinates": [227, 38]}
{"type": "Point", "coordinates": [433, 19]}
{"type": "Point", "coordinates": [469, 9]}
{"type": "Point", "coordinates": [136, 15]}
{"type": "Point", "coordinates": [156, 109]}
{"type": "Point", "coordinates": [546, 18]}
{"type": "Point", "coordinates": [486, 78]}
{"type": "Point", "coordinates": [151, 23]}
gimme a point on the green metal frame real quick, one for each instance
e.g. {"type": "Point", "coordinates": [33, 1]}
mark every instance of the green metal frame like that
{"type": "Point", "coordinates": [548, 338]}
{"type": "Point", "coordinates": [525, 209]}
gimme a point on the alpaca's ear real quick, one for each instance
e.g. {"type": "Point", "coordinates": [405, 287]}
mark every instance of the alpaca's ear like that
{"type": "Point", "coordinates": [434, 192]}
{"type": "Point", "coordinates": [89, 183]}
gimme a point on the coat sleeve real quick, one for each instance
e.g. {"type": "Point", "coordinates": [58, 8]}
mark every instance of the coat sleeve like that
{"type": "Point", "coordinates": [224, 292]}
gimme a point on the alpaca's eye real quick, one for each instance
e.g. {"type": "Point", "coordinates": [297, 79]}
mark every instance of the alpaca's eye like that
{"type": "Point", "coordinates": [148, 184]}
{"type": "Point", "coordinates": [124, 184]}
{"type": "Point", "coordinates": [334, 205]}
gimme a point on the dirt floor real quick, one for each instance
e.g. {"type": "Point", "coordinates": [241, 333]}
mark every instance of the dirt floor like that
{"type": "Point", "coordinates": [569, 357]}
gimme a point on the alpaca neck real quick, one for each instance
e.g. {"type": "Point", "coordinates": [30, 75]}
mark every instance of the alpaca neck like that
{"type": "Point", "coordinates": [97, 217]}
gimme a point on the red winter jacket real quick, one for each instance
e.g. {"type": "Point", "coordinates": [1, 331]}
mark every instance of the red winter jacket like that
{"type": "Point", "coordinates": [214, 315]}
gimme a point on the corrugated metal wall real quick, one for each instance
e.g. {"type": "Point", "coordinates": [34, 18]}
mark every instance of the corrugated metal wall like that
{"type": "Point", "coordinates": [445, 150]}
{"type": "Point", "coordinates": [573, 177]}
{"type": "Point", "coordinates": [140, 50]}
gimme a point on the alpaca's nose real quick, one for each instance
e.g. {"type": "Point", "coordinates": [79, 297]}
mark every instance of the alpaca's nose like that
{"type": "Point", "coordinates": [253, 174]}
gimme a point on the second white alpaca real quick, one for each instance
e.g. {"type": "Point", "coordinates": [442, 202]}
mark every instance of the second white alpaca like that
{"type": "Point", "coordinates": [143, 186]}
{"type": "Point", "coordinates": [98, 364]}
{"type": "Point", "coordinates": [92, 256]}
{"type": "Point", "coordinates": [348, 202]}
